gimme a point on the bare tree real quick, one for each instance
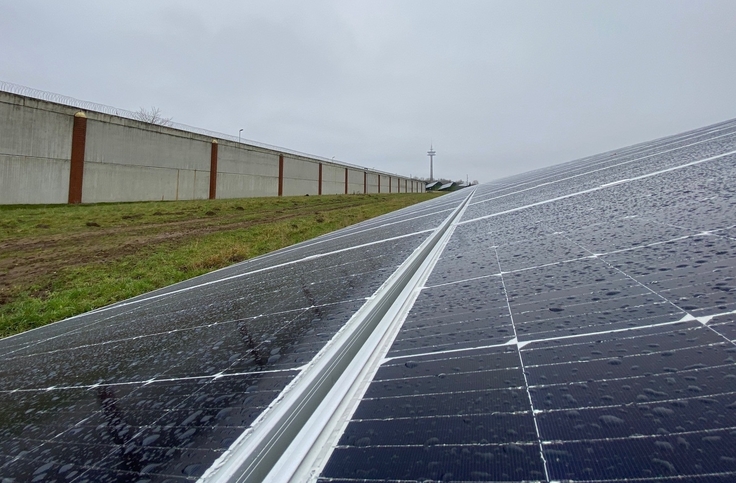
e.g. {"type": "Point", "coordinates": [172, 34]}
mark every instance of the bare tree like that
{"type": "Point", "coordinates": [153, 116]}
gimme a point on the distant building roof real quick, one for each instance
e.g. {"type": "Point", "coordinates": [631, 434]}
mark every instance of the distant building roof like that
{"type": "Point", "coordinates": [432, 184]}
{"type": "Point", "coordinates": [446, 186]}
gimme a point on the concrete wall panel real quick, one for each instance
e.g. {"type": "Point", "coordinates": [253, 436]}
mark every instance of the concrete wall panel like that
{"type": "Point", "coordinates": [234, 160]}
{"type": "Point", "coordinates": [35, 148]}
{"type": "Point", "coordinates": [333, 180]}
{"type": "Point", "coordinates": [110, 182]}
{"type": "Point", "coordinates": [246, 173]}
{"type": "Point", "coordinates": [355, 181]}
{"type": "Point", "coordinates": [146, 146]}
{"type": "Point", "coordinates": [246, 186]}
{"type": "Point", "coordinates": [25, 180]}
{"type": "Point", "coordinates": [384, 183]}
{"type": "Point", "coordinates": [35, 133]}
{"type": "Point", "coordinates": [372, 181]}
{"type": "Point", "coordinates": [300, 177]}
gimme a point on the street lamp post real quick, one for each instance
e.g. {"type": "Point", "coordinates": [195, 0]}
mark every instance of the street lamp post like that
{"type": "Point", "coordinates": [239, 135]}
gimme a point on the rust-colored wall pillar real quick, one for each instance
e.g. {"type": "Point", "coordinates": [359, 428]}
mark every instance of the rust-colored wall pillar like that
{"type": "Point", "coordinates": [76, 166]}
{"type": "Point", "coordinates": [213, 170]}
{"type": "Point", "coordinates": [389, 184]}
{"type": "Point", "coordinates": [319, 188]}
{"type": "Point", "coordinates": [379, 183]}
{"type": "Point", "coordinates": [365, 182]}
{"type": "Point", "coordinates": [281, 175]}
{"type": "Point", "coordinates": [346, 180]}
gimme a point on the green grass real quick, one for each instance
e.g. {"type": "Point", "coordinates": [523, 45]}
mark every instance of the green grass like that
{"type": "Point", "coordinates": [58, 261]}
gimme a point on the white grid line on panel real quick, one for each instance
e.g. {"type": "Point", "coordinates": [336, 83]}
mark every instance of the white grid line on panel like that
{"type": "Point", "coordinates": [523, 370]}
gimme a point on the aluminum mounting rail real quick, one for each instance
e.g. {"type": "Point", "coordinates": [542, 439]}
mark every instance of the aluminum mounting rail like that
{"type": "Point", "coordinates": [295, 433]}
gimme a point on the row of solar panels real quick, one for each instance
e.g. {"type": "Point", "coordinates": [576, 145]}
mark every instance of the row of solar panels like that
{"type": "Point", "coordinates": [579, 327]}
{"type": "Point", "coordinates": [572, 323]}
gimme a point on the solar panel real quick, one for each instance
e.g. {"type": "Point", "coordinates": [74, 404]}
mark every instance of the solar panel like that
{"type": "Point", "coordinates": [574, 323]}
{"type": "Point", "coordinates": [156, 388]}
{"type": "Point", "coordinates": [579, 326]}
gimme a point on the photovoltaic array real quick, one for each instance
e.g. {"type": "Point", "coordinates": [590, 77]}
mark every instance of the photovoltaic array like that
{"type": "Point", "coordinates": [158, 386]}
{"type": "Point", "coordinates": [578, 327]}
{"type": "Point", "coordinates": [577, 324]}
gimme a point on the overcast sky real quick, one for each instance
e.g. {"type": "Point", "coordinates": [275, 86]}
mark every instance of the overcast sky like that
{"type": "Point", "coordinates": [499, 87]}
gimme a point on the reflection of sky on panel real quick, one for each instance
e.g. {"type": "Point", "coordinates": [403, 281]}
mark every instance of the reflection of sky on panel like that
{"type": "Point", "coordinates": [580, 323]}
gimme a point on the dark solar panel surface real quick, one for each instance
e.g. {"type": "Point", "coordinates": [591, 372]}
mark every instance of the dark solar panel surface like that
{"type": "Point", "coordinates": [156, 388]}
{"type": "Point", "coordinates": [579, 326]}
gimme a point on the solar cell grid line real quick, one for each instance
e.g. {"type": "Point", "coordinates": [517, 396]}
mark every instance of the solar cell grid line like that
{"type": "Point", "coordinates": [521, 363]}
{"type": "Point", "coordinates": [157, 388]}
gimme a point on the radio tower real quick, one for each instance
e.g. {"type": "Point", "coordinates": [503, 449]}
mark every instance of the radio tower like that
{"type": "Point", "coordinates": [431, 154]}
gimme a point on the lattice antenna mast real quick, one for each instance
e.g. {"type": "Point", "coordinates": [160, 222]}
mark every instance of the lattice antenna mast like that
{"type": "Point", "coordinates": [431, 154]}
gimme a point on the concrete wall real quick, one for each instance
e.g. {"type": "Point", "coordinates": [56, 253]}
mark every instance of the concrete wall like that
{"type": "Point", "coordinates": [333, 179]}
{"type": "Point", "coordinates": [244, 172]}
{"type": "Point", "coordinates": [300, 177]}
{"type": "Point", "coordinates": [384, 184]}
{"type": "Point", "coordinates": [355, 181]}
{"type": "Point", "coordinates": [127, 160]}
{"type": "Point", "coordinates": [372, 181]}
{"type": "Point", "coordinates": [35, 148]}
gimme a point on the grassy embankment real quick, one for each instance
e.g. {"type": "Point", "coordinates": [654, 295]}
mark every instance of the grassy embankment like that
{"type": "Point", "coordinates": [58, 261]}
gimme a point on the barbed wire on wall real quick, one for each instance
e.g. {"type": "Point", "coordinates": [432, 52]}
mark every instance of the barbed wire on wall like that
{"type": "Point", "coordinates": [136, 116]}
